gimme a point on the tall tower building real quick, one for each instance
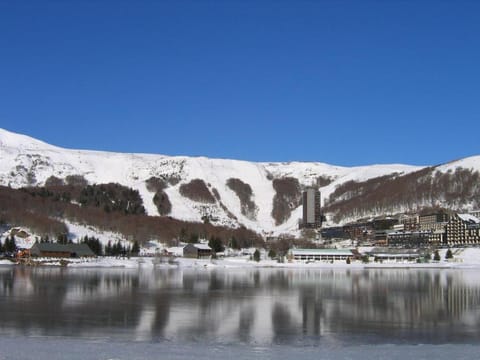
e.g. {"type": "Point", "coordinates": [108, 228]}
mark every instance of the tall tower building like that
{"type": "Point", "coordinates": [312, 217]}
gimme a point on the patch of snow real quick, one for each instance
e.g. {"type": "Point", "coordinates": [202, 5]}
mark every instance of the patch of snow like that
{"type": "Point", "coordinates": [469, 218]}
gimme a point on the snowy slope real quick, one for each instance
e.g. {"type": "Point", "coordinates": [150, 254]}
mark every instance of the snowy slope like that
{"type": "Point", "coordinates": [471, 163]}
{"type": "Point", "coordinates": [26, 161]}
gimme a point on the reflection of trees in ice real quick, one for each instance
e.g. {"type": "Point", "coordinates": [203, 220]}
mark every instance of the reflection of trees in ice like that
{"type": "Point", "coordinates": [247, 305]}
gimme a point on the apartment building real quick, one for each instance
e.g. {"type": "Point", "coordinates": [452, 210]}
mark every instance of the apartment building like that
{"type": "Point", "coordinates": [463, 230]}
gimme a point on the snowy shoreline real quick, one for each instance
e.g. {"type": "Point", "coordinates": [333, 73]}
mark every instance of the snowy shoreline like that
{"type": "Point", "coordinates": [465, 259]}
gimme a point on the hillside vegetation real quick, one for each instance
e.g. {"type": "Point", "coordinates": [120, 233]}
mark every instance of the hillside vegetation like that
{"type": "Point", "coordinates": [427, 188]}
{"type": "Point", "coordinates": [42, 210]}
{"type": "Point", "coordinates": [244, 193]}
{"type": "Point", "coordinates": [287, 197]}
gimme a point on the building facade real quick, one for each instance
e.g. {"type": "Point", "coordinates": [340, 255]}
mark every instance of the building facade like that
{"type": "Point", "coordinates": [409, 239]}
{"type": "Point", "coordinates": [463, 230]}
{"type": "Point", "coordinates": [434, 222]}
{"type": "Point", "coordinates": [312, 217]}
{"type": "Point", "coordinates": [197, 251]}
{"type": "Point", "coordinates": [320, 254]}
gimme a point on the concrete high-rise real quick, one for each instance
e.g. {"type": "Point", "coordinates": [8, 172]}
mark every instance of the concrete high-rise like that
{"type": "Point", "coordinates": [312, 217]}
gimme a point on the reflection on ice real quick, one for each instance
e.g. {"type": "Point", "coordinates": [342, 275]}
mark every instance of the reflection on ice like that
{"type": "Point", "coordinates": [251, 306]}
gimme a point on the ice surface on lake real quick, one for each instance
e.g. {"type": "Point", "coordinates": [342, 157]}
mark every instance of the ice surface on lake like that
{"type": "Point", "coordinates": [42, 348]}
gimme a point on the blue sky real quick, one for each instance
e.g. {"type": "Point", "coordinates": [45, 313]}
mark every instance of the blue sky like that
{"type": "Point", "coordinates": [342, 82]}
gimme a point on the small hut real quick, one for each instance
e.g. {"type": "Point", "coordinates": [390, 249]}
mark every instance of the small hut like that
{"type": "Point", "coordinates": [197, 251]}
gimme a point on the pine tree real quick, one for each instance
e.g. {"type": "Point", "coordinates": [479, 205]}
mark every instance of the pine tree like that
{"type": "Point", "coordinates": [256, 255]}
{"type": "Point", "coordinates": [449, 254]}
{"type": "Point", "coordinates": [109, 249]}
{"type": "Point", "coordinates": [10, 245]}
{"type": "Point", "coordinates": [94, 244]}
{"type": "Point", "coordinates": [98, 247]}
{"type": "Point", "coordinates": [234, 243]}
{"type": "Point", "coordinates": [135, 248]}
{"type": "Point", "coordinates": [272, 254]}
{"type": "Point", "coordinates": [183, 235]}
{"type": "Point", "coordinates": [436, 256]}
{"type": "Point", "coordinates": [216, 244]}
{"type": "Point", "coordinates": [193, 239]}
{"type": "Point", "coordinates": [62, 239]}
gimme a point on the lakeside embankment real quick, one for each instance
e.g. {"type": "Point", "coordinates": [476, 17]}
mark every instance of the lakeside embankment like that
{"type": "Point", "coordinates": [464, 258]}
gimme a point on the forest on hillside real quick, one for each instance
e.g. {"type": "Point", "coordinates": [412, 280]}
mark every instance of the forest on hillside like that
{"type": "Point", "coordinates": [427, 188]}
{"type": "Point", "coordinates": [108, 207]}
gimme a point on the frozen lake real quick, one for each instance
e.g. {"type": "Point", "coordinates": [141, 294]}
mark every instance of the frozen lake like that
{"type": "Point", "coordinates": [58, 313]}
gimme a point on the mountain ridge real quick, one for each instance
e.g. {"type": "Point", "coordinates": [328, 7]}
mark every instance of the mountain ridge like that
{"type": "Point", "coordinates": [26, 161]}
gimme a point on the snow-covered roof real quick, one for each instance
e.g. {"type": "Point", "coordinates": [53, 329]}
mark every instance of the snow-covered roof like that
{"type": "Point", "coordinates": [202, 246]}
{"type": "Point", "coordinates": [175, 250]}
{"type": "Point", "coordinates": [469, 218]}
{"type": "Point", "coordinates": [25, 243]}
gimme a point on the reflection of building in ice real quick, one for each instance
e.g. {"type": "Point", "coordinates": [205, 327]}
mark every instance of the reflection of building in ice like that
{"type": "Point", "coordinates": [146, 324]}
{"type": "Point", "coordinates": [312, 308]}
{"type": "Point", "coordinates": [248, 305]}
{"type": "Point", "coordinates": [254, 311]}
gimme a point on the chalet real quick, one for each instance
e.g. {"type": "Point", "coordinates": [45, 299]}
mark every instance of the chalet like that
{"type": "Point", "coordinates": [197, 251]}
{"type": "Point", "coordinates": [61, 250]}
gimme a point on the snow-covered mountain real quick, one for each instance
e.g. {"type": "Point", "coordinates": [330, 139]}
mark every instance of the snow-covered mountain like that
{"type": "Point", "coordinates": [241, 192]}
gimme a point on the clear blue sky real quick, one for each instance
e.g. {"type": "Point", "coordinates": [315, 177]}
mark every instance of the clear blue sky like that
{"type": "Point", "coordinates": [342, 82]}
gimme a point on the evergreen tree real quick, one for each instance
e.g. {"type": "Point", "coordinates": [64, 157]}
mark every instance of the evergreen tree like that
{"type": "Point", "coordinates": [193, 239]}
{"type": "Point", "coordinates": [234, 243]}
{"type": "Point", "coordinates": [272, 254]}
{"type": "Point", "coordinates": [436, 256]}
{"type": "Point", "coordinates": [449, 254]}
{"type": "Point", "coordinates": [100, 248]}
{"type": "Point", "coordinates": [183, 235]}
{"type": "Point", "coordinates": [94, 244]}
{"type": "Point", "coordinates": [256, 255]}
{"type": "Point", "coordinates": [62, 239]}
{"type": "Point", "coordinates": [109, 249]}
{"type": "Point", "coordinates": [117, 248]}
{"type": "Point", "coordinates": [216, 244]}
{"type": "Point", "coordinates": [10, 245]}
{"type": "Point", "coordinates": [135, 248]}
{"type": "Point", "coordinates": [6, 244]}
